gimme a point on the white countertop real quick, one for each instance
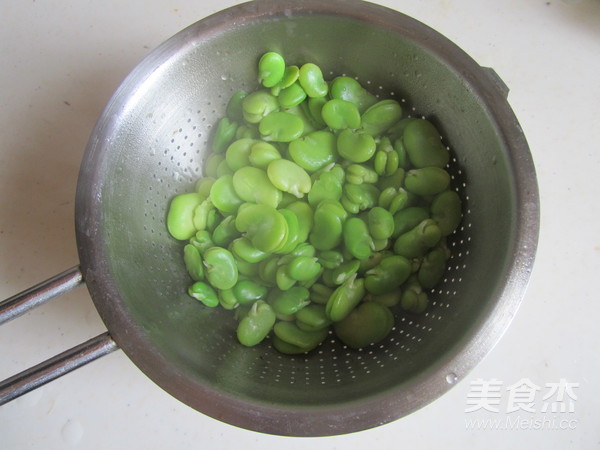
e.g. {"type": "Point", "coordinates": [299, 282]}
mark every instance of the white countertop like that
{"type": "Point", "coordinates": [61, 61]}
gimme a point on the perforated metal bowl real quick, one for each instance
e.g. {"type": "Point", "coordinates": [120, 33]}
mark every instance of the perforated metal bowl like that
{"type": "Point", "coordinates": [150, 143]}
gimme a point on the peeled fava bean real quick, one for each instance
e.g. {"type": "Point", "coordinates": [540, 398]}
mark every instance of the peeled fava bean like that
{"type": "Point", "coordinates": [180, 217]}
{"type": "Point", "coordinates": [271, 68]}
{"type": "Point", "coordinates": [416, 242]}
{"type": "Point", "coordinates": [256, 324]}
{"type": "Point", "coordinates": [347, 88]}
{"type": "Point", "coordinates": [355, 146]}
{"type": "Point", "coordinates": [357, 239]}
{"type": "Point", "coordinates": [220, 268]}
{"type": "Point", "coordinates": [381, 116]}
{"type": "Point", "coordinates": [423, 144]}
{"type": "Point", "coordinates": [263, 225]}
{"type": "Point", "coordinates": [388, 275]}
{"type": "Point", "coordinates": [253, 185]}
{"type": "Point", "coordinates": [289, 177]}
{"type": "Point", "coordinates": [427, 181]}
{"type": "Point", "coordinates": [345, 298]}
{"type": "Point", "coordinates": [446, 211]}
{"type": "Point", "coordinates": [311, 80]}
{"type": "Point", "coordinates": [432, 267]}
{"type": "Point", "coordinates": [368, 324]}
{"type": "Point", "coordinates": [340, 114]}
{"type": "Point", "coordinates": [291, 300]}
{"type": "Point", "coordinates": [281, 126]}
{"type": "Point", "coordinates": [302, 340]}
{"type": "Point", "coordinates": [205, 293]}
{"type": "Point", "coordinates": [313, 151]}
{"type": "Point", "coordinates": [413, 298]}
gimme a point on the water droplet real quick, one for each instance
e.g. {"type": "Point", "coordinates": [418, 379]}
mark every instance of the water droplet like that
{"type": "Point", "coordinates": [224, 77]}
{"type": "Point", "coordinates": [72, 432]}
{"type": "Point", "coordinates": [451, 378]}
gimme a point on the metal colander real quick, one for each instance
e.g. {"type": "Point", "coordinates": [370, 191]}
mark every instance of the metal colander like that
{"type": "Point", "coordinates": [150, 144]}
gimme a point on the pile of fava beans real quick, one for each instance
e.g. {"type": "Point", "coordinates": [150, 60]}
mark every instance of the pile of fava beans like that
{"type": "Point", "coordinates": [321, 208]}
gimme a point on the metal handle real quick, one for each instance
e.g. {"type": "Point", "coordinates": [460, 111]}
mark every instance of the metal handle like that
{"type": "Point", "coordinates": [58, 365]}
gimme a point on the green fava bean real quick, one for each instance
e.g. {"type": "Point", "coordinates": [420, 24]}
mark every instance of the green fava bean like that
{"type": "Point", "coordinates": [403, 159]}
{"type": "Point", "coordinates": [193, 262]}
{"type": "Point", "coordinates": [205, 293]}
{"type": "Point", "coordinates": [359, 174]}
{"type": "Point", "coordinates": [304, 249]}
{"type": "Point", "coordinates": [271, 68]}
{"type": "Point", "coordinates": [355, 146]}
{"type": "Point", "coordinates": [446, 211]}
{"type": "Point", "coordinates": [202, 241]}
{"type": "Point", "coordinates": [427, 181]}
{"type": "Point", "coordinates": [248, 291]}
{"type": "Point", "coordinates": [291, 96]}
{"type": "Point", "coordinates": [304, 340]}
{"type": "Point", "coordinates": [267, 271]}
{"type": "Point", "coordinates": [388, 275]}
{"type": "Point", "coordinates": [392, 199]}
{"type": "Point", "coordinates": [264, 226]}
{"type": "Point", "coordinates": [281, 126]}
{"type": "Point", "coordinates": [395, 180]}
{"type": "Point", "coordinates": [331, 259]}
{"type": "Point", "coordinates": [340, 114]}
{"type": "Point", "coordinates": [313, 151]}
{"type": "Point", "coordinates": [344, 271]}
{"type": "Point", "coordinates": [234, 106]}
{"type": "Point", "coordinates": [262, 153]}
{"type": "Point", "coordinates": [380, 222]}
{"type": "Point", "coordinates": [180, 217]}
{"type": "Point", "coordinates": [243, 249]}
{"type": "Point", "coordinates": [345, 298]}
{"type": "Point", "coordinates": [304, 268]}
{"type": "Point", "coordinates": [282, 278]}
{"type": "Point", "coordinates": [211, 164]}
{"type": "Point", "coordinates": [347, 88]}
{"type": "Point", "coordinates": [312, 318]}
{"type": "Point", "coordinates": [304, 214]}
{"type": "Point", "coordinates": [423, 145]}
{"type": "Point", "coordinates": [245, 131]}
{"type": "Point", "coordinates": [363, 195]}
{"type": "Point", "coordinates": [204, 185]}
{"type": "Point", "coordinates": [293, 225]}
{"type": "Point", "coordinates": [223, 195]}
{"type": "Point", "coordinates": [432, 268]}
{"type": "Point", "coordinates": [314, 108]}
{"type": "Point", "coordinates": [291, 300]}
{"type": "Point", "coordinates": [408, 218]}
{"type": "Point", "coordinates": [289, 177]}
{"type": "Point", "coordinates": [389, 299]}
{"type": "Point", "coordinates": [202, 215]}
{"type": "Point", "coordinates": [225, 232]}
{"type": "Point", "coordinates": [416, 242]}
{"type": "Point", "coordinates": [258, 105]}
{"type": "Point", "coordinates": [227, 299]}
{"type": "Point", "coordinates": [368, 324]}
{"type": "Point", "coordinates": [238, 153]}
{"type": "Point", "coordinates": [326, 187]}
{"type": "Point", "coordinates": [252, 184]}
{"type": "Point", "coordinates": [224, 134]}
{"type": "Point", "coordinates": [290, 76]}
{"type": "Point", "coordinates": [357, 239]}
{"type": "Point", "coordinates": [381, 116]}
{"type": "Point", "coordinates": [311, 80]}
{"type": "Point", "coordinates": [413, 298]}
{"type": "Point", "coordinates": [246, 270]}
{"type": "Point", "coordinates": [221, 270]}
{"type": "Point", "coordinates": [256, 324]}
{"type": "Point", "coordinates": [328, 218]}
{"type": "Point", "coordinates": [319, 293]}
